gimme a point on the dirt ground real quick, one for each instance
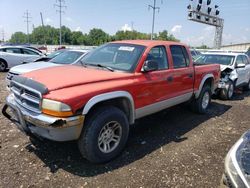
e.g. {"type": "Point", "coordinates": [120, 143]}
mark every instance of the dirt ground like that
{"type": "Point", "coordinates": [173, 148]}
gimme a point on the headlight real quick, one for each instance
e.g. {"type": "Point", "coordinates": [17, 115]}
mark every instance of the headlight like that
{"type": "Point", "coordinates": [235, 163]}
{"type": "Point", "coordinates": [56, 108]}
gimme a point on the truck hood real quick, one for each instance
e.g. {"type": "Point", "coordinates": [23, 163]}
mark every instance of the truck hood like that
{"type": "Point", "coordinates": [21, 69]}
{"type": "Point", "coordinates": [59, 77]}
{"type": "Point", "coordinates": [223, 67]}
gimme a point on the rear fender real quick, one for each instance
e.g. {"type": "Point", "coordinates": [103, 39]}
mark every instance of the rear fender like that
{"type": "Point", "coordinates": [204, 79]}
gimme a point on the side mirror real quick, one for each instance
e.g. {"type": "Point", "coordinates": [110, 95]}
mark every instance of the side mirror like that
{"type": "Point", "coordinates": [240, 65]}
{"type": "Point", "coordinates": [150, 66]}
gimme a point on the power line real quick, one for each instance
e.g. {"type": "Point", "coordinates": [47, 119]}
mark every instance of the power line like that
{"type": "Point", "coordinates": [153, 23]}
{"type": "Point", "coordinates": [60, 6]}
{"type": "Point", "coordinates": [27, 20]}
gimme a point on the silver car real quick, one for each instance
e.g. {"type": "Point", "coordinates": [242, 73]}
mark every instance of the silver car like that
{"type": "Point", "coordinates": [11, 56]}
{"type": "Point", "coordinates": [66, 57]}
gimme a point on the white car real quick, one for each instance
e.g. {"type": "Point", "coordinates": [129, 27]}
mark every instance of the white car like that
{"type": "Point", "coordinates": [11, 56]}
{"type": "Point", "coordinates": [235, 71]}
{"type": "Point", "coordinates": [66, 57]}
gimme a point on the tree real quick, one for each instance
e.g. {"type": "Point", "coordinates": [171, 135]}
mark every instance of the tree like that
{"type": "Point", "coordinates": [97, 37]}
{"type": "Point", "coordinates": [18, 38]}
{"type": "Point", "coordinates": [165, 36]}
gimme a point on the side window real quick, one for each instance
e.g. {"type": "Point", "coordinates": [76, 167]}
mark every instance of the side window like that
{"type": "Point", "coordinates": [245, 60]}
{"type": "Point", "coordinates": [179, 58]}
{"type": "Point", "coordinates": [30, 52]}
{"type": "Point", "coordinates": [159, 55]}
{"type": "Point", "coordinates": [186, 55]}
{"type": "Point", "coordinates": [239, 60]}
{"type": "Point", "coordinates": [13, 50]}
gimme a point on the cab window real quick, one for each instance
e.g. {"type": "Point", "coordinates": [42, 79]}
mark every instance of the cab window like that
{"type": "Point", "coordinates": [159, 55]}
{"type": "Point", "coordinates": [180, 56]}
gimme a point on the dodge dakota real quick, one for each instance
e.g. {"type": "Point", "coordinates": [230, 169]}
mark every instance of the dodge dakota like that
{"type": "Point", "coordinates": [96, 102]}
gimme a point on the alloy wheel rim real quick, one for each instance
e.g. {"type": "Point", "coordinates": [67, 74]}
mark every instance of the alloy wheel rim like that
{"type": "Point", "coordinates": [109, 136]}
{"type": "Point", "coordinates": [205, 100]}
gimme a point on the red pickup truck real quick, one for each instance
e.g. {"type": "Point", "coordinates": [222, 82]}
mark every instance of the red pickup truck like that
{"type": "Point", "coordinates": [117, 83]}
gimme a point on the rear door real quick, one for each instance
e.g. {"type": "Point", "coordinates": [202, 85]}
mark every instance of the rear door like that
{"type": "Point", "coordinates": [183, 72]}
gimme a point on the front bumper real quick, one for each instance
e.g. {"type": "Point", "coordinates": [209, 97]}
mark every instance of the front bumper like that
{"type": "Point", "coordinates": [53, 128]}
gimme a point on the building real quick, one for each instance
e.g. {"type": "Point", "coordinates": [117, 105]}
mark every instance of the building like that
{"type": "Point", "coordinates": [243, 47]}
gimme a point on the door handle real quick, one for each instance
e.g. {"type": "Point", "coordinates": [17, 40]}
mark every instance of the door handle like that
{"type": "Point", "coordinates": [190, 75]}
{"type": "Point", "coordinates": [170, 79]}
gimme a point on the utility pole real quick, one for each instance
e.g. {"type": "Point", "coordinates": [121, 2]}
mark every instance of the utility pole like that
{"type": "Point", "coordinates": [3, 35]}
{"type": "Point", "coordinates": [27, 20]}
{"type": "Point", "coordinates": [153, 23]}
{"type": "Point", "coordinates": [60, 6]}
{"type": "Point", "coordinates": [132, 26]}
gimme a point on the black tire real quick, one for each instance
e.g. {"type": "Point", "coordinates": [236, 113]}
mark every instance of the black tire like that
{"type": "Point", "coordinates": [3, 66]}
{"type": "Point", "coordinates": [88, 142]}
{"type": "Point", "coordinates": [247, 87]}
{"type": "Point", "coordinates": [227, 93]}
{"type": "Point", "coordinates": [197, 104]}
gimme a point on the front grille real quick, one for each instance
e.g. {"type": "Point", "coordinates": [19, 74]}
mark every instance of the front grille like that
{"type": "Point", "coordinates": [10, 75]}
{"type": "Point", "coordinates": [26, 97]}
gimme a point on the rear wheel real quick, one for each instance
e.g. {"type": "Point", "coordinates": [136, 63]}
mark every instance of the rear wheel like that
{"type": "Point", "coordinates": [104, 135]}
{"type": "Point", "coordinates": [3, 66]}
{"type": "Point", "coordinates": [227, 93]}
{"type": "Point", "coordinates": [201, 104]}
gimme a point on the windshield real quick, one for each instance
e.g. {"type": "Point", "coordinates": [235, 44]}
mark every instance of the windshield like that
{"type": "Point", "coordinates": [54, 54]}
{"type": "Point", "coordinates": [67, 57]}
{"type": "Point", "coordinates": [117, 56]}
{"type": "Point", "coordinates": [215, 59]}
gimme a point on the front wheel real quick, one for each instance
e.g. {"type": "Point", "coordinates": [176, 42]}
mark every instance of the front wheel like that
{"type": "Point", "coordinates": [227, 93]}
{"type": "Point", "coordinates": [104, 135]}
{"type": "Point", "coordinates": [201, 104]}
{"type": "Point", "coordinates": [3, 66]}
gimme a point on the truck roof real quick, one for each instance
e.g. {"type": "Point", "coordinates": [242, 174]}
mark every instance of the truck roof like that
{"type": "Point", "coordinates": [224, 53]}
{"type": "Point", "coordinates": [149, 42]}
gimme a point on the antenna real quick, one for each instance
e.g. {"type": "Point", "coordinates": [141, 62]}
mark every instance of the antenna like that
{"type": "Point", "coordinates": [60, 6]}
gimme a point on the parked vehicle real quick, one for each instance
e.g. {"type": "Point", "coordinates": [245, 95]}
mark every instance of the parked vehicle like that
{"type": "Point", "coordinates": [237, 164]}
{"type": "Point", "coordinates": [44, 58]}
{"type": "Point", "coordinates": [195, 53]}
{"type": "Point", "coordinates": [117, 83]}
{"type": "Point", "coordinates": [61, 57]}
{"type": "Point", "coordinates": [12, 56]}
{"type": "Point", "coordinates": [248, 52]}
{"type": "Point", "coordinates": [235, 71]}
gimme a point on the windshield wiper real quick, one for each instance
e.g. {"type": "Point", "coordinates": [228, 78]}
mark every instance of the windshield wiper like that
{"type": "Point", "coordinates": [96, 65]}
{"type": "Point", "coordinates": [106, 67]}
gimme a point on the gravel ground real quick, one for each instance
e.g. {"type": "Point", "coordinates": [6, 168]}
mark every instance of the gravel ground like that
{"type": "Point", "coordinates": [173, 148]}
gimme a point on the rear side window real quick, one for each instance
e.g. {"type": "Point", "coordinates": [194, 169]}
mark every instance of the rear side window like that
{"type": "Point", "coordinates": [30, 52]}
{"type": "Point", "coordinates": [180, 56]}
{"type": "Point", "coordinates": [14, 50]}
{"type": "Point", "coordinates": [158, 54]}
